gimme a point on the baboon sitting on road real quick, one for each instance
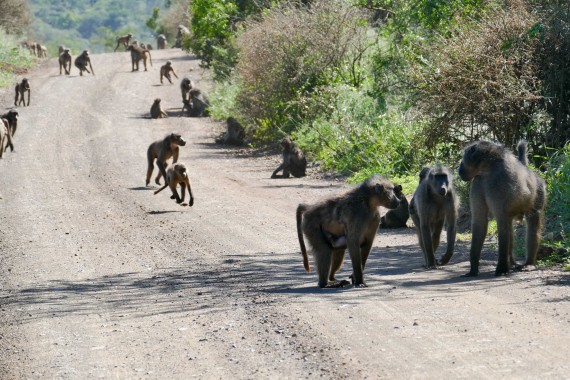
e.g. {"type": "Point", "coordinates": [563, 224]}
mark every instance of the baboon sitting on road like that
{"type": "Point", "coordinates": [435, 202]}
{"type": "Point", "coordinates": [347, 221]}
{"type": "Point", "coordinates": [156, 111]}
{"type": "Point", "coordinates": [81, 63]}
{"type": "Point", "coordinates": [235, 134]}
{"type": "Point", "coordinates": [65, 61]}
{"type": "Point", "coordinates": [161, 151]}
{"type": "Point", "coordinates": [176, 174]}
{"type": "Point", "coordinates": [185, 87]}
{"type": "Point", "coordinates": [503, 185]}
{"type": "Point", "coordinates": [398, 217]}
{"type": "Point", "coordinates": [197, 103]}
{"type": "Point", "coordinates": [21, 89]}
{"type": "Point", "coordinates": [165, 71]}
{"type": "Point", "coordinates": [294, 161]}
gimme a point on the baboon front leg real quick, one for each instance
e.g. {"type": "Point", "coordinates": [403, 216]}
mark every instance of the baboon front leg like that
{"type": "Point", "coordinates": [191, 200]}
{"type": "Point", "coordinates": [533, 226]}
{"type": "Point", "coordinates": [428, 245]}
{"type": "Point", "coordinates": [505, 230]}
{"type": "Point", "coordinates": [451, 235]}
{"type": "Point", "coordinates": [356, 258]}
{"type": "Point", "coordinates": [280, 167]}
{"type": "Point", "coordinates": [149, 172]}
{"type": "Point", "coordinates": [161, 171]}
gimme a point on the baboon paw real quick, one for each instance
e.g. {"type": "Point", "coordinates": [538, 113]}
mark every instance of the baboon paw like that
{"type": "Point", "coordinates": [173, 197]}
{"type": "Point", "coordinates": [471, 274]}
{"type": "Point", "coordinates": [191, 203]}
{"type": "Point", "coordinates": [361, 285]}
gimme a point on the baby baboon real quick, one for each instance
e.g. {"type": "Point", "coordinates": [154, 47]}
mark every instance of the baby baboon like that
{"type": "Point", "coordinates": [503, 185]}
{"type": "Point", "coordinates": [235, 134]}
{"type": "Point", "coordinates": [12, 118]}
{"type": "Point", "coordinates": [156, 111]}
{"type": "Point", "coordinates": [5, 137]}
{"type": "Point", "coordinates": [176, 174]}
{"type": "Point", "coordinates": [161, 42]}
{"type": "Point", "coordinates": [398, 217]}
{"type": "Point", "coordinates": [185, 87]}
{"type": "Point", "coordinates": [65, 61]}
{"type": "Point", "coordinates": [161, 151]}
{"type": "Point", "coordinates": [346, 221]}
{"type": "Point", "coordinates": [197, 104]}
{"type": "Point", "coordinates": [123, 40]}
{"type": "Point", "coordinates": [138, 54]}
{"type": "Point", "coordinates": [435, 202]}
{"type": "Point", "coordinates": [165, 71]}
{"type": "Point", "coordinates": [21, 89]}
{"type": "Point", "coordinates": [81, 63]}
{"type": "Point", "coordinates": [294, 161]}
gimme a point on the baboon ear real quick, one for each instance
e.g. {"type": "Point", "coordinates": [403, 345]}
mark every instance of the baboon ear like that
{"type": "Point", "coordinates": [398, 189]}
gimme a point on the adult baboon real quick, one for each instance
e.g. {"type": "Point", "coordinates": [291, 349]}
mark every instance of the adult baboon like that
{"type": "Point", "coordinates": [81, 63]}
{"type": "Point", "coordinates": [161, 151]}
{"type": "Point", "coordinates": [182, 32]}
{"type": "Point", "coordinates": [60, 49]}
{"type": "Point", "coordinates": [156, 111]}
{"type": "Point", "coordinates": [346, 221]}
{"type": "Point", "coordinates": [161, 42]}
{"type": "Point", "coordinates": [294, 161]}
{"type": "Point", "coordinates": [185, 86]}
{"type": "Point", "coordinates": [435, 202]}
{"type": "Point", "coordinates": [138, 54]}
{"type": "Point", "coordinates": [235, 133]}
{"type": "Point", "coordinates": [165, 71]}
{"type": "Point", "coordinates": [21, 89]}
{"type": "Point", "coordinates": [65, 61]}
{"type": "Point", "coordinates": [197, 103]}
{"type": "Point", "coordinates": [398, 217]}
{"type": "Point", "coordinates": [5, 137]}
{"type": "Point", "coordinates": [41, 51]}
{"type": "Point", "coordinates": [12, 117]}
{"type": "Point", "coordinates": [503, 185]}
{"type": "Point", "coordinates": [177, 174]}
{"type": "Point", "coordinates": [123, 40]}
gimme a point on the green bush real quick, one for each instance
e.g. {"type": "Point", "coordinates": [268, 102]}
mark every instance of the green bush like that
{"type": "Point", "coordinates": [558, 206]}
{"type": "Point", "coordinates": [14, 60]}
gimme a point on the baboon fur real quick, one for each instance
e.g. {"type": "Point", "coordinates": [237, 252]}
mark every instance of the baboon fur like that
{"type": "Point", "coordinates": [235, 133]}
{"type": "Point", "coordinates": [138, 54]}
{"type": "Point", "coordinates": [123, 40]}
{"type": "Point", "coordinates": [434, 203]}
{"type": "Point", "coordinates": [346, 221]}
{"type": "Point", "coordinates": [294, 161]}
{"type": "Point", "coordinates": [503, 185]}
{"type": "Point", "coordinates": [21, 89]}
{"type": "Point", "coordinates": [156, 111]}
{"type": "Point", "coordinates": [197, 103]}
{"type": "Point", "coordinates": [81, 63]}
{"type": "Point", "coordinates": [161, 151]}
{"type": "Point", "coordinates": [177, 174]}
{"type": "Point", "coordinates": [12, 117]}
{"type": "Point", "coordinates": [5, 137]}
{"type": "Point", "coordinates": [161, 42]}
{"type": "Point", "coordinates": [398, 217]}
{"type": "Point", "coordinates": [65, 61]}
{"type": "Point", "coordinates": [185, 87]}
{"type": "Point", "coordinates": [165, 71]}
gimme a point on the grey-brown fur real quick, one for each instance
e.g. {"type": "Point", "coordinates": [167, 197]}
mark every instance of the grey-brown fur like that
{"type": "Point", "coordinates": [235, 133]}
{"type": "Point", "coordinates": [177, 174]}
{"type": "Point", "coordinates": [123, 40]}
{"type": "Point", "coordinates": [197, 103]}
{"type": "Point", "coordinates": [156, 111]}
{"type": "Point", "coordinates": [81, 63]}
{"type": "Point", "coordinates": [65, 61]}
{"type": "Point", "coordinates": [185, 86]}
{"type": "Point", "coordinates": [398, 217]}
{"type": "Point", "coordinates": [21, 89]}
{"type": "Point", "coordinates": [161, 151]}
{"type": "Point", "coordinates": [165, 71]}
{"type": "Point", "coordinates": [5, 136]}
{"type": "Point", "coordinates": [161, 42]}
{"type": "Point", "coordinates": [138, 54]}
{"type": "Point", "coordinates": [294, 161]}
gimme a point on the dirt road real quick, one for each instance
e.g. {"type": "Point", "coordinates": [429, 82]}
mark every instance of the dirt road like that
{"type": "Point", "coordinates": [99, 278]}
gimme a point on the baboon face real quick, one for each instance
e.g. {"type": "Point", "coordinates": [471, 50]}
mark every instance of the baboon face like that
{"type": "Point", "coordinates": [439, 182]}
{"type": "Point", "coordinates": [25, 85]}
{"type": "Point", "coordinates": [181, 170]}
{"type": "Point", "coordinates": [66, 51]}
{"type": "Point", "coordinates": [286, 143]}
{"type": "Point", "coordinates": [475, 156]}
{"type": "Point", "coordinates": [177, 139]}
{"type": "Point", "coordinates": [157, 101]}
{"type": "Point", "coordinates": [384, 193]}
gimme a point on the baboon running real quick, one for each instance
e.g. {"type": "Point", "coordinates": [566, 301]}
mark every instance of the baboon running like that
{"type": "Point", "coordinates": [294, 161]}
{"type": "Point", "coordinates": [235, 134]}
{"type": "Point", "coordinates": [123, 40]}
{"type": "Point", "coordinates": [156, 111]}
{"type": "Point", "coordinates": [81, 63]}
{"type": "Point", "coordinates": [398, 217]}
{"type": "Point", "coordinates": [176, 174]}
{"type": "Point", "coordinates": [137, 54]}
{"type": "Point", "coordinates": [503, 185]}
{"type": "Point", "coordinates": [21, 89]}
{"type": "Point", "coordinates": [435, 202]}
{"type": "Point", "coordinates": [185, 87]}
{"type": "Point", "coordinates": [161, 151]}
{"type": "Point", "coordinates": [346, 221]}
{"type": "Point", "coordinates": [165, 71]}
{"type": "Point", "coordinates": [65, 61]}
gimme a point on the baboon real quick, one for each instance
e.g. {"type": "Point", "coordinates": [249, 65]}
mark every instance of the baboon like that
{"type": "Point", "coordinates": [81, 63]}
{"type": "Point", "coordinates": [41, 51]}
{"type": "Point", "coordinates": [21, 89]}
{"type": "Point", "coordinates": [12, 117]}
{"type": "Point", "coordinates": [161, 42]}
{"type": "Point", "coordinates": [346, 221]}
{"type": "Point", "coordinates": [197, 104]}
{"type": "Point", "coordinates": [294, 161]}
{"type": "Point", "coordinates": [5, 137]}
{"type": "Point", "coordinates": [138, 54]}
{"type": "Point", "coordinates": [435, 202]}
{"type": "Point", "coordinates": [156, 111]}
{"type": "Point", "coordinates": [176, 174]}
{"type": "Point", "coordinates": [65, 61]}
{"type": "Point", "coordinates": [185, 87]}
{"type": "Point", "coordinates": [503, 185]}
{"type": "Point", "coordinates": [123, 40]}
{"type": "Point", "coordinates": [182, 32]}
{"type": "Point", "coordinates": [149, 46]}
{"type": "Point", "coordinates": [162, 150]}
{"type": "Point", "coordinates": [143, 46]}
{"type": "Point", "coordinates": [60, 49]}
{"type": "Point", "coordinates": [398, 217]}
{"type": "Point", "coordinates": [165, 71]}
{"type": "Point", "coordinates": [235, 134]}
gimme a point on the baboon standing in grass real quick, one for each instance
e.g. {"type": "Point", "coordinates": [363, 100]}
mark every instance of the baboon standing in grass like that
{"type": "Point", "coordinates": [435, 202]}
{"type": "Point", "coordinates": [177, 174]}
{"type": "Point", "coordinates": [21, 89]}
{"type": "Point", "coordinates": [346, 221]}
{"type": "Point", "coordinates": [503, 185]}
{"type": "Point", "coordinates": [294, 161]}
{"type": "Point", "coordinates": [161, 151]}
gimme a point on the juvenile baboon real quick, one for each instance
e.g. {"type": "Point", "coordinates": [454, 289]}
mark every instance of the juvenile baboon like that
{"type": "Point", "coordinates": [435, 202]}
{"type": "Point", "coordinates": [503, 185]}
{"type": "Point", "coordinates": [161, 151]}
{"type": "Point", "coordinates": [165, 71]}
{"type": "Point", "coordinates": [235, 133]}
{"type": "Point", "coordinates": [65, 61]}
{"type": "Point", "coordinates": [398, 217]}
{"type": "Point", "coordinates": [294, 161]}
{"type": "Point", "coordinates": [21, 89]}
{"type": "Point", "coordinates": [123, 40]}
{"type": "Point", "coordinates": [81, 63]}
{"type": "Point", "coordinates": [41, 51]}
{"type": "Point", "coordinates": [161, 42]}
{"type": "Point", "coordinates": [5, 137]}
{"type": "Point", "coordinates": [176, 174]}
{"type": "Point", "coordinates": [197, 103]}
{"type": "Point", "coordinates": [156, 111]}
{"type": "Point", "coordinates": [346, 221]}
{"type": "Point", "coordinates": [12, 117]}
{"type": "Point", "coordinates": [185, 87]}
{"type": "Point", "coordinates": [138, 54]}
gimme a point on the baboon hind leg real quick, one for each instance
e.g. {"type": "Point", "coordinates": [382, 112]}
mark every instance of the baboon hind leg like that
{"type": "Point", "coordinates": [533, 226]}
{"type": "Point", "coordinates": [505, 230]}
{"type": "Point", "coordinates": [337, 260]}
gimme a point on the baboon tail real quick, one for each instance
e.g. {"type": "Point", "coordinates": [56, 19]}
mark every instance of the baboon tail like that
{"type": "Point", "coordinates": [522, 152]}
{"type": "Point", "coordinates": [300, 210]}
{"type": "Point", "coordinates": [164, 187]}
{"type": "Point", "coordinates": [149, 57]}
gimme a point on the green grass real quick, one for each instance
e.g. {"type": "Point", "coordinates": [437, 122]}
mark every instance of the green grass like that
{"type": "Point", "coordinates": [14, 60]}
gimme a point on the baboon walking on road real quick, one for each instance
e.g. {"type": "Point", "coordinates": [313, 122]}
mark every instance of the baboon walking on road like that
{"type": "Point", "coordinates": [177, 174]}
{"type": "Point", "coordinates": [346, 221]}
{"type": "Point", "coordinates": [435, 202]}
{"type": "Point", "coordinates": [5, 137]}
{"type": "Point", "coordinates": [138, 54]}
{"type": "Point", "coordinates": [165, 71]}
{"type": "Point", "coordinates": [161, 151]}
{"type": "Point", "coordinates": [81, 63]}
{"type": "Point", "coordinates": [123, 40]}
{"type": "Point", "coordinates": [12, 117]}
{"type": "Point", "coordinates": [21, 89]}
{"type": "Point", "coordinates": [503, 185]}
{"type": "Point", "coordinates": [65, 61]}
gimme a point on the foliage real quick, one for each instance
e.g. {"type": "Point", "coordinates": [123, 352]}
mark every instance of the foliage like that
{"type": "Point", "coordinates": [14, 60]}
{"type": "Point", "coordinates": [14, 16]}
{"type": "Point", "coordinates": [558, 206]}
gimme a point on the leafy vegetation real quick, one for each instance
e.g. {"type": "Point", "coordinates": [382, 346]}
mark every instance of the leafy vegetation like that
{"type": "Point", "coordinates": [14, 60]}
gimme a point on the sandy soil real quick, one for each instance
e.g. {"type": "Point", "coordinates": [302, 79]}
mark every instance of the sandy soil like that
{"type": "Point", "coordinates": [99, 278]}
